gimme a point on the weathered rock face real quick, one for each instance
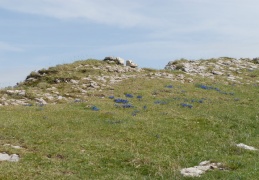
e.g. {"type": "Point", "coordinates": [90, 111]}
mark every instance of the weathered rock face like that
{"type": "Point", "coordinates": [130, 63]}
{"type": "Point", "coordinates": [116, 60]}
{"type": "Point", "coordinates": [222, 67]}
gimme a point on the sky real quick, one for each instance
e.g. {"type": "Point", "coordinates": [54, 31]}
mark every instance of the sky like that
{"type": "Point", "coordinates": [36, 34]}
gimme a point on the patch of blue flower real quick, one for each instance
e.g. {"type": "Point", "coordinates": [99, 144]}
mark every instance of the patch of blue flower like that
{"type": "Point", "coordinates": [123, 101]}
{"type": "Point", "coordinates": [129, 95]}
{"type": "Point", "coordinates": [139, 97]}
{"type": "Point", "coordinates": [94, 108]}
{"type": "Point", "coordinates": [111, 97]}
{"type": "Point", "coordinates": [214, 88]}
{"type": "Point", "coordinates": [186, 105]}
{"type": "Point", "coordinates": [169, 86]}
{"type": "Point", "coordinates": [127, 106]}
{"type": "Point", "coordinates": [198, 100]}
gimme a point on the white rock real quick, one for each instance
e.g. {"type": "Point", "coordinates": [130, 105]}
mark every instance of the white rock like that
{"type": "Point", "coordinates": [204, 163]}
{"type": "Point", "coordinates": [192, 172]}
{"type": "Point", "coordinates": [60, 98]}
{"type": "Point", "coordinates": [15, 147]}
{"type": "Point", "coordinates": [217, 73]}
{"type": "Point", "coordinates": [74, 81]}
{"type": "Point", "coordinates": [120, 61]}
{"type": "Point", "coordinates": [197, 171]}
{"type": "Point", "coordinates": [241, 145]}
{"type": "Point", "coordinates": [130, 63]}
{"type": "Point", "coordinates": [10, 158]}
{"type": "Point", "coordinates": [41, 101]}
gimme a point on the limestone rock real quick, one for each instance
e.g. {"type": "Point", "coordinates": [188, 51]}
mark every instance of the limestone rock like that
{"type": "Point", "coordinates": [117, 60]}
{"type": "Point", "coordinates": [16, 92]}
{"type": "Point", "coordinates": [241, 145]}
{"type": "Point", "coordinates": [197, 171]}
{"type": "Point", "coordinates": [10, 158]}
{"type": "Point", "coordinates": [130, 63]}
{"type": "Point", "coordinates": [41, 101]}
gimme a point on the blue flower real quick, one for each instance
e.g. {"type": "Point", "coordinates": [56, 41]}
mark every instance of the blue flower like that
{"type": "Point", "coordinates": [203, 87]}
{"type": "Point", "coordinates": [129, 95]}
{"type": "Point", "coordinates": [139, 97]}
{"type": "Point", "coordinates": [111, 97]}
{"type": "Point", "coordinates": [145, 107]}
{"type": "Point", "coordinates": [169, 86]}
{"type": "Point", "coordinates": [186, 105]}
{"type": "Point", "coordinates": [94, 108]}
{"type": "Point", "coordinates": [123, 101]}
{"type": "Point", "coordinates": [127, 106]}
{"type": "Point", "coordinates": [200, 101]}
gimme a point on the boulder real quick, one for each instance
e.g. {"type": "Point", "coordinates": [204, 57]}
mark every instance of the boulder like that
{"type": "Point", "coordinates": [117, 60]}
{"type": "Point", "coordinates": [130, 63]}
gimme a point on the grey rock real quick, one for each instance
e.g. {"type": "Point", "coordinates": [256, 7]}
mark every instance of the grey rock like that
{"type": "Point", "coordinates": [217, 73]}
{"type": "Point", "coordinates": [197, 171]}
{"type": "Point", "coordinates": [130, 63]}
{"type": "Point", "coordinates": [74, 81]}
{"type": "Point", "coordinates": [117, 60]}
{"type": "Point", "coordinates": [15, 147]}
{"type": "Point", "coordinates": [16, 92]}
{"type": "Point", "coordinates": [41, 101]}
{"type": "Point", "coordinates": [10, 158]}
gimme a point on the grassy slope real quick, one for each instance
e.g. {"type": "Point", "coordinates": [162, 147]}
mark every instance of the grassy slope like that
{"type": "Point", "coordinates": [70, 141]}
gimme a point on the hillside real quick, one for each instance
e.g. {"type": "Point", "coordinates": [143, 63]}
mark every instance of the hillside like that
{"type": "Point", "coordinates": [77, 81]}
{"type": "Point", "coordinates": [98, 120]}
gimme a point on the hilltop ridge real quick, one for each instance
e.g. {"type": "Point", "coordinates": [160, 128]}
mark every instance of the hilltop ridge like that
{"type": "Point", "coordinates": [78, 80]}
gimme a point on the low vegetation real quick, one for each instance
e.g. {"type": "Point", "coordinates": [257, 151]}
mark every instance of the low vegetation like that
{"type": "Point", "coordinates": [140, 129]}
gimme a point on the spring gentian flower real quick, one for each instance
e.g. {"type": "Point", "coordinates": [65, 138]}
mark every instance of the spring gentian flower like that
{"type": "Point", "coordinates": [94, 108]}
{"type": "Point", "coordinates": [129, 95]}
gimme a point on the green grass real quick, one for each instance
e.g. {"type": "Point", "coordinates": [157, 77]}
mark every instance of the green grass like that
{"type": "Point", "coordinates": [71, 141]}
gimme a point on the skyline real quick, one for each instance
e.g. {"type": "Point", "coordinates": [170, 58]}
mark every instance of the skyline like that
{"type": "Point", "coordinates": [43, 33]}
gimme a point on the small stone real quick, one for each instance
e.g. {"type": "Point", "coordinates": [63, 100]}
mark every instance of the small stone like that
{"type": "Point", "coordinates": [241, 145]}
{"type": "Point", "coordinates": [217, 73]}
{"type": "Point", "coordinates": [41, 101]}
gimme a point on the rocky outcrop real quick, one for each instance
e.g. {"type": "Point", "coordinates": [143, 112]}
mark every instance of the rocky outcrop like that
{"type": "Point", "coordinates": [228, 68]}
{"type": "Point", "coordinates": [82, 79]}
{"type": "Point", "coordinates": [130, 63]}
{"type": "Point", "coordinates": [116, 60]}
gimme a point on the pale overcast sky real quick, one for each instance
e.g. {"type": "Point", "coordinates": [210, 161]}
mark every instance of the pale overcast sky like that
{"type": "Point", "coordinates": [36, 34]}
